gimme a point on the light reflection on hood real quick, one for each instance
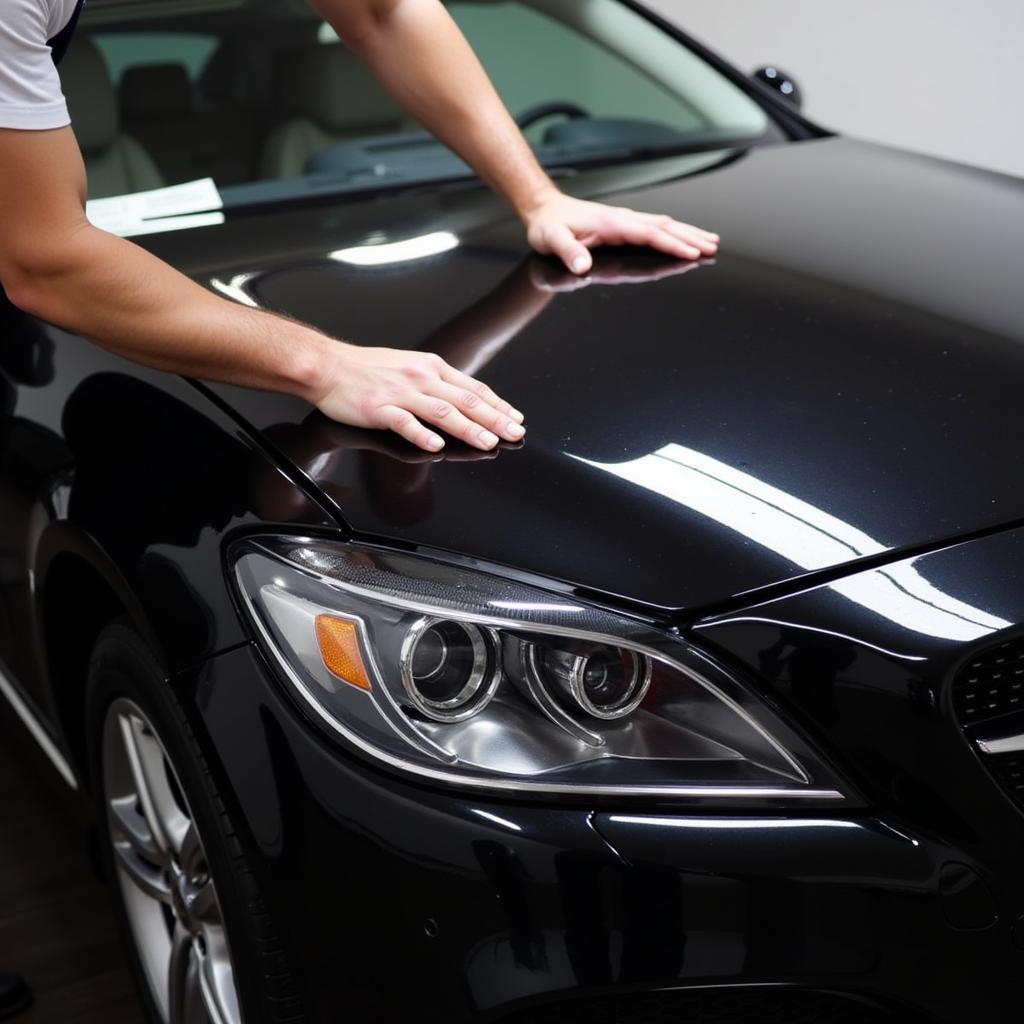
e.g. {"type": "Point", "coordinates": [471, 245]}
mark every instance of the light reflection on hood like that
{"type": "Point", "coordinates": [805, 536]}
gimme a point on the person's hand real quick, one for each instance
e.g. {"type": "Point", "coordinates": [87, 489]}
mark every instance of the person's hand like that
{"type": "Point", "coordinates": [402, 391]}
{"type": "Point", "coordinates": [569, 228]}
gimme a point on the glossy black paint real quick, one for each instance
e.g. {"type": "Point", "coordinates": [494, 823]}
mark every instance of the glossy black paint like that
{"type": "Point", "coordinates": [842, 355]}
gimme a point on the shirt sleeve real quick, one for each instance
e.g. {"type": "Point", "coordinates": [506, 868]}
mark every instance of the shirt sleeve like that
{"type": "Point", "coordinates": [30, 92]}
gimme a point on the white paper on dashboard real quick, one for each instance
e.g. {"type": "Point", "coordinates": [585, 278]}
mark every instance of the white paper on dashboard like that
{"type": "Point", "coordinates": [175, 208]}
{"type": "Point", "coordinates": [183, 223]}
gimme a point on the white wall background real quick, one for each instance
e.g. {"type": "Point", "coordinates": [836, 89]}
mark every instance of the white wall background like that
{"type": "Point", "coordinates": [940, 76]}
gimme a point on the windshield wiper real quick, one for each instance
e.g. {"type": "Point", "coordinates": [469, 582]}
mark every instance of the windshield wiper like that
{"type": "Point", "coordinates": [398, 162]}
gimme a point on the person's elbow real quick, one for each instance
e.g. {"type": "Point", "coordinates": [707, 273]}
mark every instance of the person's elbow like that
{"type": "Point", "coordinates": [358, 22]}
{"type": "Point", "coordinates": [32, 275]}
{"type": "Point", "coordinates": [20, 288]}
{"type": "Point", "coordinates": [20, 285]}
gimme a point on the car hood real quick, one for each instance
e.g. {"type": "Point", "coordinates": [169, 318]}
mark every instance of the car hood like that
{"type": "Point", "coordinates": [842, 382]}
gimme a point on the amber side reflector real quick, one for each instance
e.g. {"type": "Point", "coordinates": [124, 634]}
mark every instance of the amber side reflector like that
{"type": "Point", "coordinates": [339, 647]}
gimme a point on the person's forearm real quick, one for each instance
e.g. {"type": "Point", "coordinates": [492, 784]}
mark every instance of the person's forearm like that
{"type": "Point", "coordinates": [418, 52]}
{"type": "Point", "coordinates": [111, 291]}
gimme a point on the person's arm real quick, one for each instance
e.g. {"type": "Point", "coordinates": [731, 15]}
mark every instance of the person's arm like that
{"type": "Point", "coordinates": [419, 54]}
{"type": "Point", "coordinates": [55, 265]}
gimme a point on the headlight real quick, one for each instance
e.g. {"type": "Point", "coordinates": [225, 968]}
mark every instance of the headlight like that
{"type": "Point", "coordinates": [470, 679]}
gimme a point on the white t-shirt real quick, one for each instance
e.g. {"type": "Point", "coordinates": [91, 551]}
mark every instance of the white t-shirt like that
{"type": "Point", "coordinates": [30, 93]}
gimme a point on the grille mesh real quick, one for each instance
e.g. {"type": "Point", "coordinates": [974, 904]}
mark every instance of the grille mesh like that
{"type": "Point", "coordinates": [991, 684]}
{"type": "Point", "coordinates": [1009, 771]}
{"type": "Point", "coordinates": [714, 1006]}
{"type": "Point", "coordinates": [988, 689]}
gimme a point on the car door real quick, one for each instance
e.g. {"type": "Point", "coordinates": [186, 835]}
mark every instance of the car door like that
{"type": "Point", "coordinates": [35, 468]}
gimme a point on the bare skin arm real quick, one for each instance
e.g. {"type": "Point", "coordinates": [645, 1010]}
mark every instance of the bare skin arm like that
{"type": "Point", "coordinates": [418, 53]}
{"type": "Point", "coordinates": [55, 265]}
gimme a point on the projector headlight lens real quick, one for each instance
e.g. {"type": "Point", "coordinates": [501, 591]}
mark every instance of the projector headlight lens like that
{"type": "Point", "coordinates": [601, 681]}
{"type": "Point", "coordinates": [449, 669]}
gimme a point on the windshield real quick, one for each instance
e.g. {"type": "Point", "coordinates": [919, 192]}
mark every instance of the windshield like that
{"type": "Point", "coordinates": [262, 98]}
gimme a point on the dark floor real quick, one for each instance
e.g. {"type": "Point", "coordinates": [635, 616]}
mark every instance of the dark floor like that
{"type": "Point", "coordinates": [56, 926]}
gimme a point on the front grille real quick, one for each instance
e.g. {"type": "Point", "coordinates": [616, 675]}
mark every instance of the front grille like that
{"type": "Point", "coordinates": [988, 698]}
{"type": "Point", "coordinates": [1009, 771]}
{"type": "Point", "coordinates": [715, 1006]}
{"type": "Point", "coordinates": [991, 684]}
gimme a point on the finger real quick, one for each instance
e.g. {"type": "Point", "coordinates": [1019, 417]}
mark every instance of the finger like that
{"type": "Point", "coordinates": [479, 388]}
{"type": "Point", "coordinates": [473, 407]}
{"type": "Point", "coordinates": [637, 231]}
{"type": "Point", "coordinates": [403, 423]}
{"type": "Point", "coordinates": [665, 241]}
{"type": "Point", "coordinates": [567, 247]}
{"type": "Point", "coordinates": [694, 231]}
{"type": "Point", "coordinates": [682, 229]}
{"type": "Point", "coordinates": [444, 415]}
{"type": "Point", "coordinates": [689, 234]}
{"type": "Point", "coordinates": [664, 218]}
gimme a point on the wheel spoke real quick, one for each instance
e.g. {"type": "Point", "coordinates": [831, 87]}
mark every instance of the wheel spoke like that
{"type": "Point", "coordinates": [181, 962]}
{"type": "Point", "coordinates": [191, 857]}
{"type": "Point", "coordinates": [147, 877]}
{"type": "Point", "coordinates": [133, 827]}
{"type": "Point", "coordinates": [146, 761]}
{"type": "Point", "coordinates": [195, 1005]}
{"type": "Point", "coordinates": [216, 979]}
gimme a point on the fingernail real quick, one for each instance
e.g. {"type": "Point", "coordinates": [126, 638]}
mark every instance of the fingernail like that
{"type": "Point", "coordinates": [515, 431]}
{"type": "Point", "coordinates": [516, 415]}
{"type": "Point", "coordinates": [487, 438]}
{"type": "Point", "coordinates": [435, 443]}
{"type": "Point", "coordinates": [579, 264]}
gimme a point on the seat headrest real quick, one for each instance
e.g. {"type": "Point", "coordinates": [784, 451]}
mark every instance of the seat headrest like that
{"type": "Point", "coordinates": [340, 94]}
{"type": "Point", "coordinates": [156, 90]}
{"type": "Point", "coordinates": [92, 101]}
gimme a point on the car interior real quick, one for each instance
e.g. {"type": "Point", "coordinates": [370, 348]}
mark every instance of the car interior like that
{"type": "Point", "coordinates": [245, 91]}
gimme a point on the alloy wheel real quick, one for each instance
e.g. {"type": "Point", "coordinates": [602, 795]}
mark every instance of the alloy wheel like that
{"type": "Point", "coordinates": [164, 875]}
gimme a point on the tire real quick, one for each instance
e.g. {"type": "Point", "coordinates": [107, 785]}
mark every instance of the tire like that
{"type": "Point", "coordinates": [201, 944]}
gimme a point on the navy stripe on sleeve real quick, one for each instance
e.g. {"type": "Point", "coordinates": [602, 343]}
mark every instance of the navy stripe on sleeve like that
{"type": "Point", "coordinates": [62, 40]}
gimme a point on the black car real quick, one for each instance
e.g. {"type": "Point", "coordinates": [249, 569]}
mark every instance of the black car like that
{"type": "Point", "coordinates": [704, 704]}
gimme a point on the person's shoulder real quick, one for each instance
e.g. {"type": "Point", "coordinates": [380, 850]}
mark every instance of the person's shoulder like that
{"type": "Point", "coordinates": [25, 21]}
{"type": "Point", "coordinates": [30, 90]}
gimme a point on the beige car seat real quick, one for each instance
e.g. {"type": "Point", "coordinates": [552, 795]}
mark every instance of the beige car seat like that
{"type": "Point", "coordinates": [115, 163]}
{"type": "Point", "coordinates": [188, 138]}
{"type": "Point", "coordinates": [336, 98]}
